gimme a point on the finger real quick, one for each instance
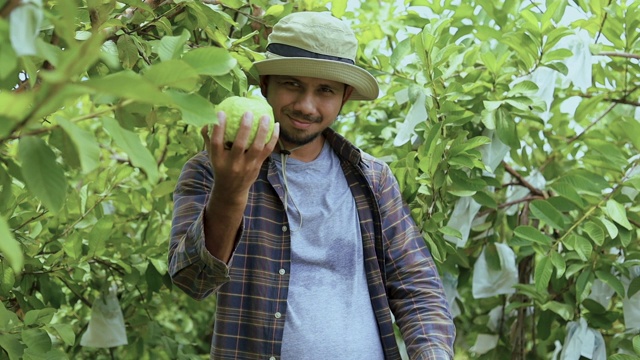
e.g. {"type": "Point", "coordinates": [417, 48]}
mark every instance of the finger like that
{"type": "Point", "coordinates": [244, 131]}
{"type": "Point", "coordinates": [262, 133]}
{"type": "Point", "coordinates": [217, 133]}
{"type": "Point", "coordinates": [274, 139]}
{"type": "Point", "coordinates": [204, 131]}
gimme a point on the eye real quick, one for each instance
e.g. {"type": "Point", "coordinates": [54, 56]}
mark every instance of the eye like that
{"type": "Point", "coordinates": [327, 90]}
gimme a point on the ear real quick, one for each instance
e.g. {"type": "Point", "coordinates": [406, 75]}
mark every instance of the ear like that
{"type": "Point", "coordinates": [348, 90]}
{"type": "Point", "coordinates": [264, 84]}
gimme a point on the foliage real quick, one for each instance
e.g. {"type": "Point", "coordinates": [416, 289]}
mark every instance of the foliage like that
{"type": "Point", "coordinates": [507, 123]}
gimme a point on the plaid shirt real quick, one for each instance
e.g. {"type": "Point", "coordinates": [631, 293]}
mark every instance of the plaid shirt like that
{"type": "Point", "coordinates": [252, 289]}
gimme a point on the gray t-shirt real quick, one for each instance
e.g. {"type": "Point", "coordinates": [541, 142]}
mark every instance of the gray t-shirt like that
{"type": "Point", "coordinates": [329, 312]}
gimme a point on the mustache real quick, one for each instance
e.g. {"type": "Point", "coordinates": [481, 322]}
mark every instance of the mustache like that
{"type": "Point", "coordinates": [298, 115]}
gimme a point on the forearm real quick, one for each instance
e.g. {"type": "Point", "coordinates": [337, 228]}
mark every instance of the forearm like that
{"type": "Point", "coordinates": [222, 219]}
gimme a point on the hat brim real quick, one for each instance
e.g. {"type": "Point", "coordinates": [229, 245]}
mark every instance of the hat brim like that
{"type": "Point", "coordinates": [364, 84]}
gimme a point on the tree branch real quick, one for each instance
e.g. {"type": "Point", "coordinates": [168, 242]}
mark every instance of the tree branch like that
{"type": "Point", "coordinates": [617, 101]}
{"type": "Point", "coordinates": [8, 8]}
{"type": "Point", "coordinates": [617, 54]}
{"type": "Point", "coordinates": [577, 136]}
{"type": "Point", "coordinates": [523, 181]}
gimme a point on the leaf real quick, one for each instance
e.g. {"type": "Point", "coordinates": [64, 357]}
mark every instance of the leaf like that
{"type": "Point", "coordinates": [195, 109]}
{"type": "Point", "coordinates": [542, 274]}
{"type": "Point", "coordinates": [172, 73]}
{"type": "Point", "coordinates": [564, 310]}
{"type": "Point", "coordinates": [525, 87]}
{"type": "Point", "coordinates": [36, 339]}
{"type": "Point", "coordinates": [12, 345]}
{"type": "Point", "coordinates": [171, 47]}
{"type": "Point", "coordinates": [546, 212]}
{"type": "Point", "coordinates": [338, 7]}
{"type": "Point", "coordinates": [634, 287]}
{"type": "Point", "coordinates": [506, 129]}
{"type": "Point", "coordinates": [557, 54]}
{"type": "Point", "coordinates": [609, 279]}
{"type": "Point", "coordinates": [558, 262]}
{"type": "Point", "coordinates": [636, 344]}
{"type": "Point", "coordinates": [85, 144]}
{"type": "Point", "coordinates": [210, 60]}
{"type": "Point", "coordinates": [447, 230]}
{"type": "Point", "coordinates": [66, 333]}
{"type": "Point", "coordinates": [130, 143]}
{"type": "Point", "coordinates": [44, 177]}
{"type": "Point", "coordinates": [612, 229]}
{"type": "Point", "coordinates": [531, 234]}
{"type": "Point", "coordinates": [128, 85]}
{"type": "Point", "coordinates": [583, 284]}
{"type": "Point", "coordinates": [25, 21]}
{"type": "Point", "coordinates": [595, 232]}
{"type": "Point", "coordinates": [617, 213]}
{"type": "Point", "coordinates": [10, 247]}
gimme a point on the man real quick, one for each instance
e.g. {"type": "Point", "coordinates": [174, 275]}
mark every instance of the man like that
{"type": "Point", "coordinates": [304, 238]}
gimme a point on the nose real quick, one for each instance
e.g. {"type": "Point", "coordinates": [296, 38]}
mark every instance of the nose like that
{"type": "Point", "coordinates": [305, 103]}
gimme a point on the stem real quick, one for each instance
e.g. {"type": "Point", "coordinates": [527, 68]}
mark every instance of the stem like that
{"type": "Point", "coordinates": [76, 119]}
{"type": "Point", "coordinates": [522, 180]}
{"type": "Point", "coordinates": [577, 136]}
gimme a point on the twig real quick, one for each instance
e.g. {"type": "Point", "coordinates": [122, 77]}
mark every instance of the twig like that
{"type": "Point", "coordinates": [617, 54]}
{"type": "Point", "coordinates": [523, 181]}
{"type": "Point", "coordinates": [593, 123]}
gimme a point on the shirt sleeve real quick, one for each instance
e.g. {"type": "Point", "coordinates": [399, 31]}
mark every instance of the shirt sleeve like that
{"type": "Point", "coordinates": [191, 267]}
{"type": "Point", "coordinates": [416, 295]}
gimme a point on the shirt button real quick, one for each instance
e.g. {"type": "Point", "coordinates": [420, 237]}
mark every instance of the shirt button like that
{"type": "Point", "coordinates": [277, 315]}
{"type": "Point", "coordinates": [281, 271]}
{"type": "Point", "coordinates": [284, 228]}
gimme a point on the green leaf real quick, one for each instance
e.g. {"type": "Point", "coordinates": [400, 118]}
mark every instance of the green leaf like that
{"type": "Point", "coordinates": [25, 22]}
{"type": "Point", "coordinates": [44, 177]}
{"type": "Point", "coordinates": [546, 212]}
{"type": "Point", "coordinates": [583, 284]}
{"type": "Point", "coordinates": [36, 340]}
{"type": "Point", "coordinates": [9, 247]}
{"type": "Point", "coordinates": [130, 143]}
{"type": "Point", "coordinates": [622, 357]}
{"type": "Point", "coordinates": [12, 345]}
{"type": "Point", "coordinates": [526, 87]}
{"type": "Point", "coordinates": [581, 246]}
{"type": "Point", "coordinates": [558, 262]}
{"type": "Point", "coordinates": [7, 279]}
{"type": "Point", "coordinates": [542, 274]}
{"type": "Point", "coordinates": [195, 109]}
{"type": "Point", "coordinates": [634, 287]}
{"type": "Point", "coordinates": [128, 85]}
{"type": "Point", "coordinates": [210, 60]}
{"type": "Point", "coordinates": [172, 73]}
{"type": "Point", "coordinates": [338, 7]}
{"type": "Point", "coordinates": [595, 232]}
{"type": "Point", "coordinates": [506, 129]}
{"type": "Point", "coordinates": [85, 143]}
{"type": "Point", "coordinates": [636, 344]}
{"type": "Point", "coordinates": [612, 229]}
{"type": "Point", "coordinates": [531, 234]}
{"type": "Point", "coordinates": [564, 310]}
{"type": "Point", "coordinates": [66, 333]}
{"type": "Point", "coordinates": [171, 47]}
{"type": "Point", "coordinates": [557, 54]}
{"type": "Point", "coordinates": [447, 230]}
{"type": "Point", "coordinates": [484, 199]}
{"type": "Point", "coordinates": [612, 281]}
{"type": "Point", "coordinates": [127, 52]}
{"type": "Point", "coordinates": [617, 213]}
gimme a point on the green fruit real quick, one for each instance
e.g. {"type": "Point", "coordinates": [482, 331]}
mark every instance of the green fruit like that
{"type": "Point", "coordinates": [235, 106]}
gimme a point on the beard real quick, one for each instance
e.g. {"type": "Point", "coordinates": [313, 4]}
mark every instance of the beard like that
{"type": "Point", "coordinates": [299, 138]}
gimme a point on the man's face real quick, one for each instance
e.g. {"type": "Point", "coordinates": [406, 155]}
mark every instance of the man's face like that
{"type": "Point", "coordinates": [303, 106]}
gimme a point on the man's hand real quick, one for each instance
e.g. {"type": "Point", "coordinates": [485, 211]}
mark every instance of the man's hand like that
{"type": "Point", "coordinates": [234, 170]}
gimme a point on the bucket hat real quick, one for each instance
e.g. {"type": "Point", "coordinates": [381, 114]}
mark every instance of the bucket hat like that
{"type": "Point", "coordinates": [318, 45]}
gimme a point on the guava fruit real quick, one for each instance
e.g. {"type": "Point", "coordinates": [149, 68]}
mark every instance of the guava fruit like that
{"type": "Point", "coordinates": [235, 106]}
